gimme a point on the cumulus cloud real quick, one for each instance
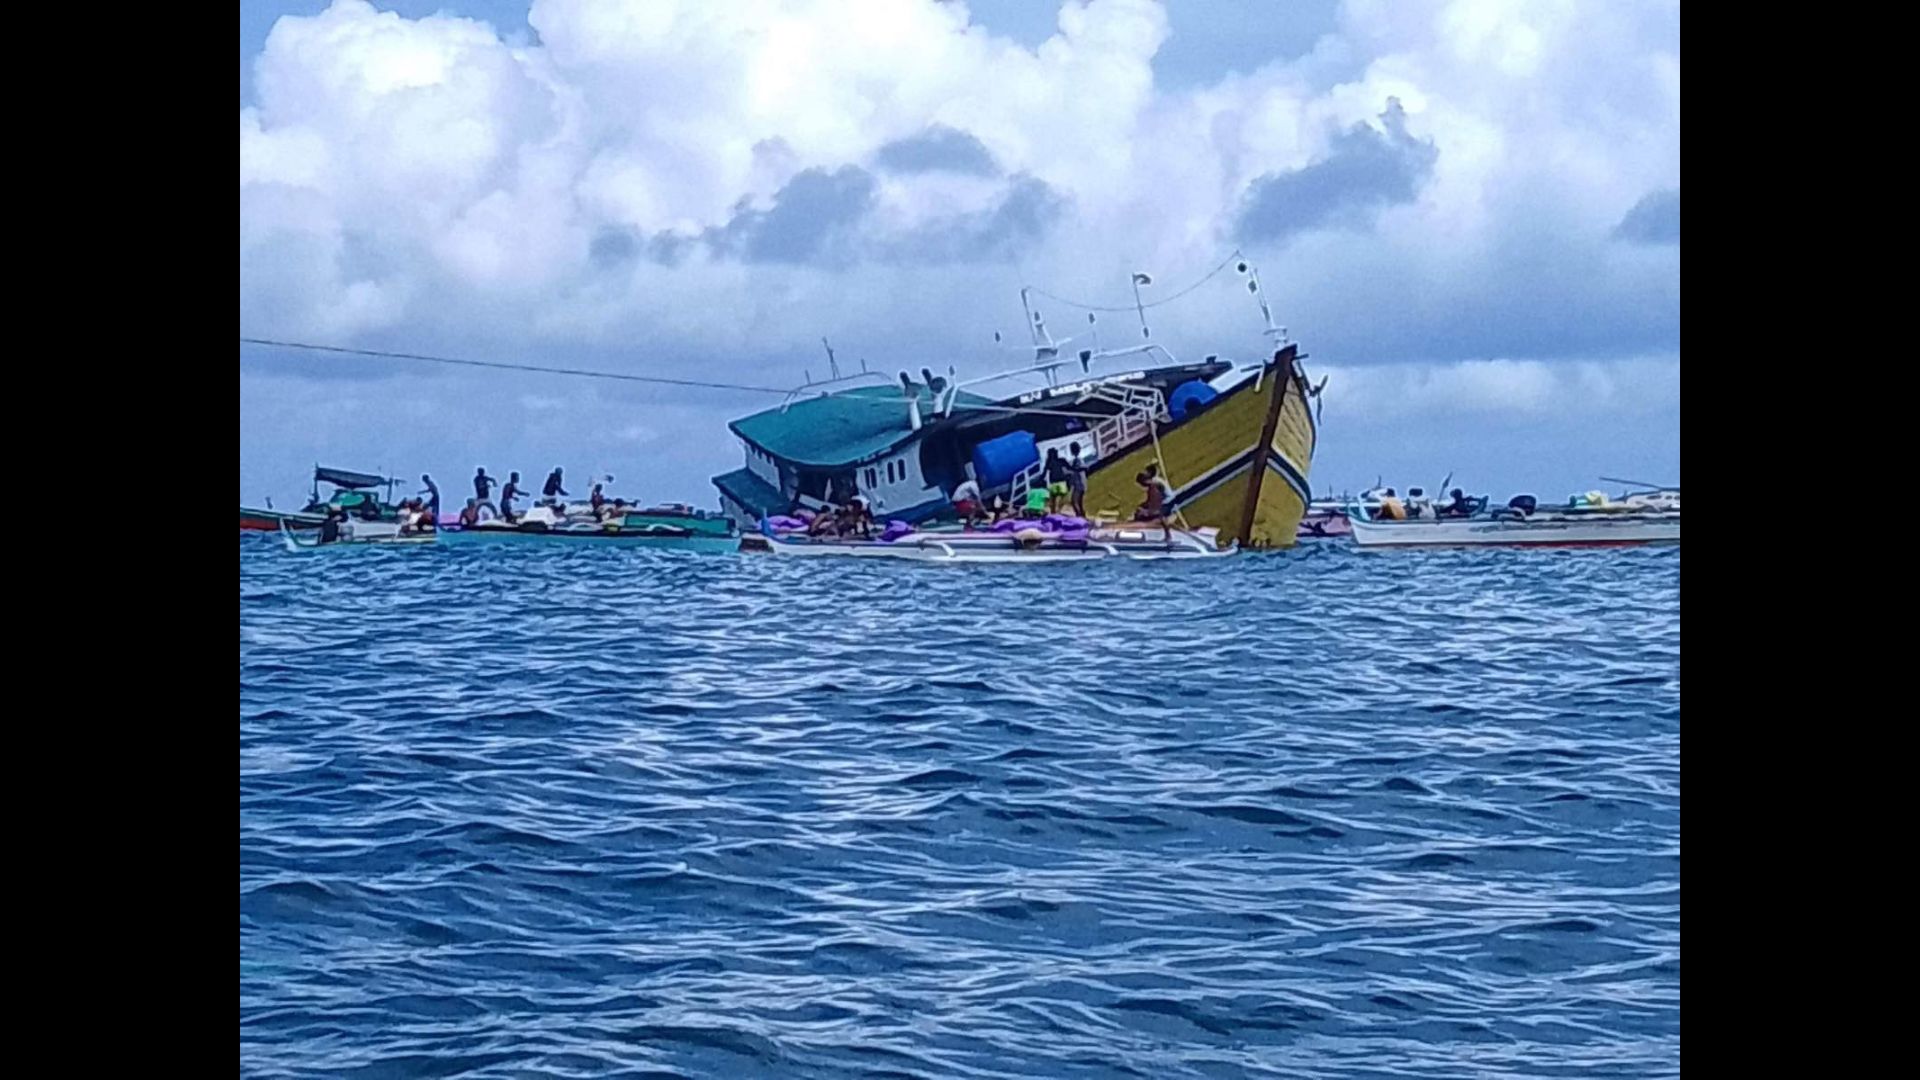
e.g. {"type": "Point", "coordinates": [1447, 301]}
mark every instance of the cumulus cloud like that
{"type": "Point", "coordinates": [1655, 219]}
{"type": "Point", "coordinates": [811, 220]}
{"type": "Point", "coordinates": [938, 149]}
{"type": "Point", "coordinates": [1364, 169]}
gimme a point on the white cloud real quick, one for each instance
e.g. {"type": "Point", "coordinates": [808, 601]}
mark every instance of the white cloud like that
{"type": "Point", "coordinates": [431, 184]}
{"type": "Point", "coordinates": [1490, 388]}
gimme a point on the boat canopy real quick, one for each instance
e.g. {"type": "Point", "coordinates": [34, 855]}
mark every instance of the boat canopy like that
{"type": "Point", "coordinates": [842, 429]}
{"type": "Point", "coordinates": [751, 492]}
{"type": "Point", "coordinates": [352, 481]}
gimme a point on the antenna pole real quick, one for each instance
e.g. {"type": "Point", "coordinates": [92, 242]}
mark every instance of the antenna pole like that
{"type": "Point", "coordinates": [832, 364]}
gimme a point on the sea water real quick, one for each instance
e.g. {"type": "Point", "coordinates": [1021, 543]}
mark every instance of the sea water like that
{"type": "Point", "coordinates": [530, 812]}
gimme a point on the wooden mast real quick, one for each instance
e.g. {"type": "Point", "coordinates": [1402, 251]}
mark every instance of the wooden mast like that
{"type": "Point", "coordinates": [1257, 471]}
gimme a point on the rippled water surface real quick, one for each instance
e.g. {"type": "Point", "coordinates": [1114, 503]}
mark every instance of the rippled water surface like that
{"type": "Point", "coordinates": [523, 812]}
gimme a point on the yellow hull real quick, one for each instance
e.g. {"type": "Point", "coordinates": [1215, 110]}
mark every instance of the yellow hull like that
{"type": "Point", "coordinates": [1213, 459]}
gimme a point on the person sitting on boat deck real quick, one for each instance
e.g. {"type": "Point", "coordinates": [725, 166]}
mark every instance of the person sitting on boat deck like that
{"type": "Point", "coordinates": [507, 495]}
{"type": "Point", "coordinates": [1077, 480]}
{"type": "Point", "coordinates": [552, 493]}
{"type": "Point", "coordinates": [856, 516]}
{"type": "Point", "coordinates": [470, 514]}
{"type": "Point", "coordinates": [432, 492]}
{"type": "Point", "coordinates": [414, 518]}
{"type": "Point", "coordinates": [330, 525]}
{"type": "Point", "coordinates": [1154, 506]}
{"type": "Point", "coordinates": [1418, 505]}
{"type": "Point", "coordinates": [1458, 505]}
{"type": "Point", "coordinates": [1056, 472]}
{"type": "Point", "coordinates": [483, 489]}
{"type": "Point", "coordinates": [1391, 508]}
{"type": "Point", "coordinates": [826, 522]}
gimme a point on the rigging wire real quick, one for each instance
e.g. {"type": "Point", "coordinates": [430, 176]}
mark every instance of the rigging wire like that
{"type": "Point", "coordinates": [586, 373]}
{"type": "Point", "coordinates": [1211, 274]}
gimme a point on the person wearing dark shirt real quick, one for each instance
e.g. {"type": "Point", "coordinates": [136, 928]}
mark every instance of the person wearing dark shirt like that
{"type": "Point", "coordinates": [432, 492]}
{"type": "Point", "coordinates": [330, 527]}
{"type": "Point", "coordinates": [1077, 480]}
{"type": "Point", "coordinates": [552, 491]}
{"type": "Point", "coordinates": [483, 489]}
{"type": "Point", "coordinates": [508, 494]}
{"type": "Point", "coordinates": [1056, 470]}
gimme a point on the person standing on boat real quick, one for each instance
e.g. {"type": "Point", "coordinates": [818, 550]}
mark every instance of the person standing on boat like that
{"type": "Point", "coordinates": [507, 495]}
{"type": "Point", "coordinates": [1077, 480]}
{"type": "Point", "coordinates": [432, 493]}
{"type": "Point", "coordinates": [483, 489]}
{"type": "Point", "coordinates": [330, 525]}
{"type": "Point", "coordinates": [1056, 472]}
{"type": "Point", "coordinates": [553, 492]}
{"type": "Point", "coordinates": [596, 499]}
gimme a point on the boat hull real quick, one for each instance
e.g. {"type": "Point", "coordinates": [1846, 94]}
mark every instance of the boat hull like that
{"type": "Point", "coordinates": [587, 538]}
{"type": "Point", "coordinates": [1241, 465]}
{"type": "Point", "coordinates": [361, 534]}
{"type": "Point", "coordinates": [988, 547]}
{"type": "Point", "coordinates": [257, 520]}
{"type": "Point", "coordinates": [1585, 531]}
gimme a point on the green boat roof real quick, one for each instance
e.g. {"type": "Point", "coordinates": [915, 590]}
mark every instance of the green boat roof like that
{"type": "Point", "coordinates": [743, 487]}
{"type": "Point", "coordinates": [839, 429]}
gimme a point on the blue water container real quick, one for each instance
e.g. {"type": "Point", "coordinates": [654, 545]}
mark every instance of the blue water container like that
{"type": "Point", "coordinates": [1189, 396]}
{"type": "Point", "coordinates": [997, 461]}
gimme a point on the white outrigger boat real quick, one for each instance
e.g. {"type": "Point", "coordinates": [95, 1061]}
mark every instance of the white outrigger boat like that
{"type": "Point", "coordinates": [1592, 520]}
{"type": "Point", "coordinates": [357, 534]}
{"type": "Point", "coordinates": [1027, 545]}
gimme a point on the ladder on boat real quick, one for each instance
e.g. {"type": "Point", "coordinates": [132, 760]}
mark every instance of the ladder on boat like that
{"type": "Point", "coordinates": [1140, 408]}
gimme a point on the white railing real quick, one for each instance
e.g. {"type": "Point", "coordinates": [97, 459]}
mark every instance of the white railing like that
{"type": "Point", "coordinates": [1139, 410]}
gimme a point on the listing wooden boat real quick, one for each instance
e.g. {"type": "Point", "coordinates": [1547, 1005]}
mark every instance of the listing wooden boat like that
{"type": "Point", "coordinates": [1234, 441]}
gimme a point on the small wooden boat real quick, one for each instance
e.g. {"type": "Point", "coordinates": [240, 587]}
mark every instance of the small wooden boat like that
{"type": "Point", "coordinates": [255, 519]}
{"type": "Point", "coordinates": [352, 493]}
{"type": "Point", "coordinates": [1589, 520]}
{"type": "Point", "coordinates": [659, 528]}
{"type": "Point", "coordinates": [1031, 545]}
{"type": "Point", "coordinates": [1545, 530]}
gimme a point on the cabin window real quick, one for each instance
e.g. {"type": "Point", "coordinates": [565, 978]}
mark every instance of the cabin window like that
{"type": "Point", "coordinates": [871, 482]}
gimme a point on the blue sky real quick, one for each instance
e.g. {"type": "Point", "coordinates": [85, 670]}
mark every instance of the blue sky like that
{"type": "Point", "coordinates": [1467, 211]}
